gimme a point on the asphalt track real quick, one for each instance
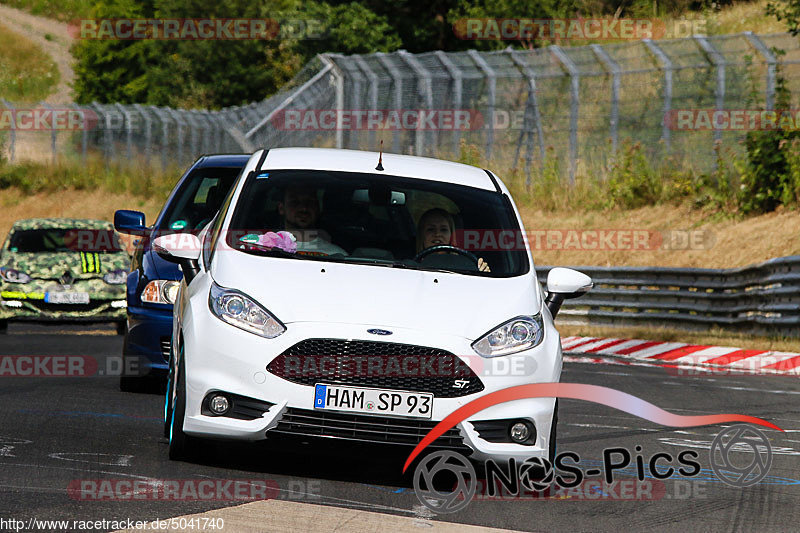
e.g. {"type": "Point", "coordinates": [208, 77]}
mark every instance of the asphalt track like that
{"type": "Point", "coordinates": [56, 431]}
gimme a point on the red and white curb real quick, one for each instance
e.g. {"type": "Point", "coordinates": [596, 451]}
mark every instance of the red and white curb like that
{"type": "Point", "coordinates": [679, 354]}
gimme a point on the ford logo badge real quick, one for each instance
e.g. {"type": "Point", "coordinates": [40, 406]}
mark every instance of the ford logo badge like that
{"type": "Point", "coordinates": [379, 332]}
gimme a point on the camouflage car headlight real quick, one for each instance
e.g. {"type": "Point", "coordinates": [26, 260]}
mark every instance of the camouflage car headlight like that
{"type": "Point", "coordinates": [160, 291]}
{"type": "Point", "coordinates": [117, 277]}
{"type": "Point", "coordinates": [14, 276]}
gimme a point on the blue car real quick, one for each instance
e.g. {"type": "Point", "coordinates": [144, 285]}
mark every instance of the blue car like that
{"type": "Point", "coordinates": [153, 282]}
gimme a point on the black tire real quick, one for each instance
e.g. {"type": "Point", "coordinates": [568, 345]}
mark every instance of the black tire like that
{"type": "Point", "coordinates": [122, 327]}
{"type": "Point", "coordinates": [551, 452]}
{"type": "Point", "coordinates": [3, 327]}
{"type": "Point", "coordinates": [168, 394]}
{"type": "Point", "coordinates": [181, 446]}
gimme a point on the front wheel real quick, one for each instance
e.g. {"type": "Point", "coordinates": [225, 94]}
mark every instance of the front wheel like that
{"type": "Point", "coordinates": [551, 452]}
{"type": "Point", "coordinates": [3, 326]}
{"type": "Point", "coordinates": [181, 445]}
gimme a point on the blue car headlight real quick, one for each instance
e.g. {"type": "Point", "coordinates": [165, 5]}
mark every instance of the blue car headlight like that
{"type": "Point", "coordinates": [238, 309]}
{"type": "Point", "coordinates": [518, 334]}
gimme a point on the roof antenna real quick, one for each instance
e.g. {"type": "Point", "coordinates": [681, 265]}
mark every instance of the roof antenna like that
{"type": "Point", "coordinates": [380, 158]}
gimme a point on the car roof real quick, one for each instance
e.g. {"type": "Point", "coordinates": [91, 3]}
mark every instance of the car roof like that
{"type": "Point", "coordinates": [60, 223]}
{"type": "Point", "coordinates": [365, 162]}
{"type": "Point", "coordinates": [222, 160]}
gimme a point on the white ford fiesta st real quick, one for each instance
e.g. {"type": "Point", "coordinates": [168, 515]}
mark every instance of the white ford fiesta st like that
{"type": "Point", "coordinates": [351, 295]}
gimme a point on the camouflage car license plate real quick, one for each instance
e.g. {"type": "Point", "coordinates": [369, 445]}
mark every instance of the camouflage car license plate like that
{"type": "Point", "coordinates": [66, 297]}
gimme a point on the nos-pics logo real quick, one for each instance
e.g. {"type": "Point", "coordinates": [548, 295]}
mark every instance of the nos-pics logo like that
{"type": "Point", "coordinates": [446, 481]}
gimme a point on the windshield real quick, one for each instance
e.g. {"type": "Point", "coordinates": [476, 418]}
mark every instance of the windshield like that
{"type": "Point", "coordinates": [198, 199]}
{"type": "Point", "coordinates": [50, 240]}
{"type": "Point", "coordinates": [375, 219]}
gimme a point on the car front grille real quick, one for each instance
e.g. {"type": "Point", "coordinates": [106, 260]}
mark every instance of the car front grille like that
{"type": "Point", "coordinates": [374, 364]}
{"type": "Point", "coordinates": [364, 428]}
{"type": "Point", "coordinates": [41, 305]}
{"type": "Point", "coordinates": [166, 346]}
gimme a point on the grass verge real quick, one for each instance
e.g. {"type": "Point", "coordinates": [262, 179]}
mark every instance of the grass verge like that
{"type": "Point", "coordinates": [27, 74]}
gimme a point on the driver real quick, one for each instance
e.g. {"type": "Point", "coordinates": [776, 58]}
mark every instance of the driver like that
{"type": "Point", "coordinates": [300, 212]}
{"type": "Point", "coordinates": [437, 228]}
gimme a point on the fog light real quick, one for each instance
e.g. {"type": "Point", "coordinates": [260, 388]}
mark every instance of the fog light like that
{"type": "Point", "coordinates": [219, 404]}
{"type": "Point", "coordinates": [118, 304]}
{"type": "Point", "coordinates": [520, 432]}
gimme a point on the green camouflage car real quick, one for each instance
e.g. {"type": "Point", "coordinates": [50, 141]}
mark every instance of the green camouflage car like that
{"type": "Point", "coordinates": [63, 269]}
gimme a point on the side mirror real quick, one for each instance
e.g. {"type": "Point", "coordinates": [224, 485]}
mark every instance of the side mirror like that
{"type": "Point", "coordinates": [183, 249]}
{"type": "Point", "coordinates": [132, 222]}
{"type": "Point", "coordinates": [564, 283]}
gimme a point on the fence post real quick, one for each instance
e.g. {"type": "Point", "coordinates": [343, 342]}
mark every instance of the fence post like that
{"type": "Point", "coordinates": [12, 145]}
{"type": "Point", "coordinates": [666, 64]}
{"type": "Point", "coordinates": [338, 77]}
{"type": "Point", "coordinates": [718, 61]}
{"type": "Point", "coordinates": [771, 61]}
{"type": "Point", "coordinates": [611, 66]}
{"type": "Point", "coordinates": [147, 132]}
{"type": "Point", "coordinates": [457, 79]}
{"type": "Point", "coordinates": [107, 140]}
{"type": "Point", "coordinates": [353, 74]}
{"type": "Point", "coordinates": [424, 80]}
{"type": "Point", "coordinates": [84, 131]}
{"type": "Point", "coordinates": [179, 136]}
{"type": "Point", "coordinates": [128, 131]}
{"type": "Point", "coordinates": [373, 92]}
{"type": "Point", "coordinates": [159, 112]}
{"type": "Point", "coordinates": [491, 78]}
{"type": "Point", "coordinates": [397, 85]}
{"type": "Point", "coordinates": [530, 105]}
{"type": "Point", "coordinates": [574, 75]}
{"type": "Point", "coordinates": [53, 134]}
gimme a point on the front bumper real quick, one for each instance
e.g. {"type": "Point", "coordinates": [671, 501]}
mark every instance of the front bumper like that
{"type": "Point", "coordinates": [29, 304]}
{"type": "Point", "coordinates": [148, 340]}
{"type": "Point", "coordinates": [220, 357]}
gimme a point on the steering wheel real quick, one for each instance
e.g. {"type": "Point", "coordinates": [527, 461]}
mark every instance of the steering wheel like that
{"type": "Point", "coordinates": [445, 248]}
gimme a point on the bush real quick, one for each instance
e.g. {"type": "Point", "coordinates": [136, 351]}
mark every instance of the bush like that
{"type": "Point", "coordinates": [767, 181]}
{"type": "Point", "coordinates": [633, 182]}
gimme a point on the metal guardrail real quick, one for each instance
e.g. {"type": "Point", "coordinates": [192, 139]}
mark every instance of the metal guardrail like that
{"type": "Point", "coordinates": [762, 299]}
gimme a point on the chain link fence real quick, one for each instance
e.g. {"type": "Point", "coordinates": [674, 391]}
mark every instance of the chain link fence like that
{"type": "Point", "coordinates": [570, 108]}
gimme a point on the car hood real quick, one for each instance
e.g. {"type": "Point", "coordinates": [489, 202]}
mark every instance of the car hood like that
{"type": "Point", "coordinates": [314, 291]}
{"type": "Point", "coordinates": [78, 264]}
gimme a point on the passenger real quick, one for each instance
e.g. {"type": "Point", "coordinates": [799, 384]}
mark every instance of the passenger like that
{"type": "Point", "coordinates": [300, 212]}
{"type": "Point", "coordinates": [437, 228]}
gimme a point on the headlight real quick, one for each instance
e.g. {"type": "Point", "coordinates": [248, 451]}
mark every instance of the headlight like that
{"type": "Point", "coordinates": [14, 276]}
{"type": "Point", "coordinates": [239, 310]}
{"type": "Point", "coordinates": [117, 277]}
{"type": "Point", "coordinates": [518, 334]}
{"type": "Point", "coordinates": [161, 291]}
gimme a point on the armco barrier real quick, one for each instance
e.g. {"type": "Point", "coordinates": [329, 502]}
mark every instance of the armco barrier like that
{"type": "Point", "coordinates": [761, 299]}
